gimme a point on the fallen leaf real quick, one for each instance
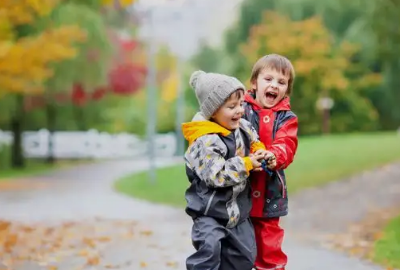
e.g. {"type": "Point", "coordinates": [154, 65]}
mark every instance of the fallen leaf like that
{"type": "Point", "coordinates": [89, 242]}
{"type": "Point", "coordinates": [172, 264]}
{"type": "Point", "coordinates": [83, 253]}
{"type": "Point", "coordinates": [146, 232]}
{"type": "Point", "coordinates": [93, 260]}
{"type": "Point", "coordinates": [360, 237]}
{"type": "Point", "coordinates": [104, 239]}
{"type": "Point", "coordinates": [4, 225]}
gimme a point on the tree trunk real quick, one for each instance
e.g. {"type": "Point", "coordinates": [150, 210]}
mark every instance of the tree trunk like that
{"type": "Point", "coordinates": [51, 122]}
{"type": "Point", "coordinates": [17, 157]}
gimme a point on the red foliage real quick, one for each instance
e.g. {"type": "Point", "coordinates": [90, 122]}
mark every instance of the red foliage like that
{"type": "Point", "coordinates": [128, 45]}
{"type": "Point", "coordinates": [127, 78]}
{"type": "Point", "coordinates": [78, 95]}
{"type": "Point", "coordinates": [99, 93]}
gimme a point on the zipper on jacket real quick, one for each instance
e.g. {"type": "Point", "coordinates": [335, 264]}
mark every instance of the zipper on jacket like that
{"type": "Point", "coordinates": [283, 185]}
{"type": "Point", "coordinates": [209, 202]}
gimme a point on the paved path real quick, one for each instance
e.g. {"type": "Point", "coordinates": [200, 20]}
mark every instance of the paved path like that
{"type": "Point", "coordinates": [330, 209]}
{"type": "Point", "coordinates": [75, 220]}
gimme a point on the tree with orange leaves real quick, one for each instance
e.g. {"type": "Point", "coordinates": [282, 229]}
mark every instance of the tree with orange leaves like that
{"type": "Point", "coordinates": [25, 59]}
{"type": "Point", "coordinates": [26, 55]}
{"type": "Point", "coordinates": [323, 69]}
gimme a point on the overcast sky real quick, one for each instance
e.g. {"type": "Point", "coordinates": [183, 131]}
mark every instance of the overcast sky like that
{"type": "Point", "coordinates": [182, 23]}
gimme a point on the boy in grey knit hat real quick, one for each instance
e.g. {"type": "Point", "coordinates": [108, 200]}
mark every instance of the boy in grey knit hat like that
{"type": "Point", "coordinates": [223, 149]}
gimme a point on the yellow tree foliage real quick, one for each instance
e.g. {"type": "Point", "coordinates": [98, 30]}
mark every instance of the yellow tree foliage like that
{"type": "Point", "coordinates": [169, 89]}
{"type": "Point", "coordinates": [310, 47]}
{"type": "Point", "coordinates": [25, 62]}
{"type": "Point", "coordinates": [17, 12]}
{"type": "Point", "coordinates": [122, 3]}
{"type": "Point", "coordinates": [167, 74]}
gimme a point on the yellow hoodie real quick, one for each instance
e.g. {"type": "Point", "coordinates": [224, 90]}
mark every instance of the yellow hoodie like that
{"type": "Point", "coordinates": [196, 129]}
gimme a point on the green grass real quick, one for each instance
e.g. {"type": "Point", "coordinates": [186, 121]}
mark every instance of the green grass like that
{"type": "Point", "coordinates": [319, 160]}
{"type": "Point", "coordinates": [387, 249]}
{"type": "Point", "coordinates": [35, 167]}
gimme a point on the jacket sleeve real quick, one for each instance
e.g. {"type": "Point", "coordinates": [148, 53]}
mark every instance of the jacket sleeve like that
{"type": "Point", "coordinates": [255, 143]}
{"type": "Point", "coordinates": [206, 157]}
{"type": "Point", "coordinates": [285, 143]}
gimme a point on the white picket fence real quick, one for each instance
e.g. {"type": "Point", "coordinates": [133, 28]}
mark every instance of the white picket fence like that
{"type": "Point", "coordinates": [90, 144]}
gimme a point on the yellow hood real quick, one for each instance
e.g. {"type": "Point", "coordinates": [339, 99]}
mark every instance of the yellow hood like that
{"type": "Point", "coordinates": [195, 129]}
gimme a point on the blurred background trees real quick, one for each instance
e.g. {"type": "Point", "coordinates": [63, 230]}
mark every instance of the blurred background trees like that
{"type": "Point", "coordinates": [79, 65]}
{"type": "Point", "coordinates": [340, 49]}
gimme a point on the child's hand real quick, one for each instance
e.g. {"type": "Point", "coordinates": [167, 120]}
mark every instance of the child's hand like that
{"type": "Point", "coordinates": [261, 152]}
{"type": "Point", "coordinates": [256, 161]}
{"type": "Point", "coordinates": [271, 160]}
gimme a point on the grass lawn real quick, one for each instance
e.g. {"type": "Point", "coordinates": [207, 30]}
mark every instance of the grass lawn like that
{"type": "Point", "coordinates": [35, 167]}
{"type": "Point", "coordinates": [387, 248]}
{"type": "Point", "coordinates": [319, 160]}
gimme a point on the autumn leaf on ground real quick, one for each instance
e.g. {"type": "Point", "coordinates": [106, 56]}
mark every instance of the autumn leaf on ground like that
{"type": "Point", "coordinates": [4, 225]}
{"type": "Point", "coordinates": [20, 185]}
{"type": "Point", "coordinates": [83, 253]}
{"type": "Point", "coordinates": [89, 242]}
{"type": "Point", "coordinates": [10, 242]}
{"type": "Point", "coordinates": [360, 238]}
{"type": "Point", "coordinates": [146, 232]}
{"type": "Point", "coordinates": [173, 264]}
{"type": "Point", "coordinates": [93, 260]}
{"type": "Point", "coordinates": [104, 239]}
{"type": "Point", "coordinates": [49, 245]}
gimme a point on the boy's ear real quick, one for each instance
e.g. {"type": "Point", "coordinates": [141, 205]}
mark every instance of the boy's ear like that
{"type": "Point", "coordinates": [253, 85]}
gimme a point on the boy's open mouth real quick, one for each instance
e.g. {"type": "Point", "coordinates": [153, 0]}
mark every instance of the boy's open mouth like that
{"type": "Point", "coordinates": [235, 119]}
{"type": "Point", "coordinates": [271, 96]}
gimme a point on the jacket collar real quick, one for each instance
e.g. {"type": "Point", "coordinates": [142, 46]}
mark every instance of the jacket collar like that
{"type": "Point", "coordinates": [200, 126]}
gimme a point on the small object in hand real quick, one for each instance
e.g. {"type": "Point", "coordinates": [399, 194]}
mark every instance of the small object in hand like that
{"type": "Point", "coordinates": [265, 168]}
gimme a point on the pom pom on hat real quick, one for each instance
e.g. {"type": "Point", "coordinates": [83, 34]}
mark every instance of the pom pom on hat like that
{"type": "Point", "coordinates": [194, 77]}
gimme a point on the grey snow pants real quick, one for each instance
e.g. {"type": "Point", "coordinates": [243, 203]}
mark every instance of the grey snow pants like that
{"type": "Point", "coordinates": [221, 248]}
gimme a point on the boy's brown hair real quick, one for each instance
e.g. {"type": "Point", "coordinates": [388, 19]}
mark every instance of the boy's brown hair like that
{"type": "Point", "coordinates": [277, 62]}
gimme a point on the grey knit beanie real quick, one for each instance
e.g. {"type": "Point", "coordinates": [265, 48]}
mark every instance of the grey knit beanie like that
{"type": "Point", "coordinates": [212, 90]}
